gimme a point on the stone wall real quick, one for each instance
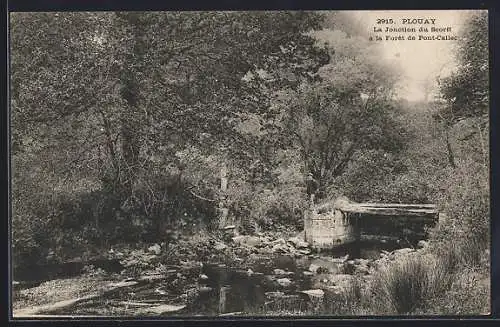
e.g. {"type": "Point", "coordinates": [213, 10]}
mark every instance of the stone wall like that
{"type": "Point", "coordinates": [328, 229]}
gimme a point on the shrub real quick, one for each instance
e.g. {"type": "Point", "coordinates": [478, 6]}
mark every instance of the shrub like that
{"type": "Point", "coordinates": [405, 287]}
{"type": "Point", "coordinates": [401, 287]}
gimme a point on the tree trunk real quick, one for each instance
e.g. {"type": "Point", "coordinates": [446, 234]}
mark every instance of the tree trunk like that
{"type": "Point", "coordinates": [451, 157]}
{"type": "Point", "coordinates": [223, 211]}
{"type": "Point", "coordinates": [131, 118]}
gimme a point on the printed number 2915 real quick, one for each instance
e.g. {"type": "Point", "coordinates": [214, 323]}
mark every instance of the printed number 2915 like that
{"type": "Point", "coordinates": [385, 21]}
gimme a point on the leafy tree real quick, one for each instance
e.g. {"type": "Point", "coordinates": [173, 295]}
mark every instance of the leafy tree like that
{"type": "Point", "coordinates": [109, 103]}
{"type": "Point", "coordinates": [334, 121]}
{"type": "Point", "coordinates": [466, 91]}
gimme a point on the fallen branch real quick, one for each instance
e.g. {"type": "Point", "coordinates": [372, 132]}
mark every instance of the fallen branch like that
{"type": "Point", "coordinates": [201, 197]}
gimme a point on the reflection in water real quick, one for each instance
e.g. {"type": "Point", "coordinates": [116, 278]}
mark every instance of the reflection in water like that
{"type": "Point", "coordinates": [235, 290]}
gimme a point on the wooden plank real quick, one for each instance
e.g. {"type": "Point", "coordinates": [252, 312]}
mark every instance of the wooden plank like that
{"type": "Point", "coordinates": [389, 211]}
{"type": "Point", "coordinates": [396, 205]}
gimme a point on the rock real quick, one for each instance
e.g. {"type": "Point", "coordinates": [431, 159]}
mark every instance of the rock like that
{"type": "Point", "coordinates": [341, 259]}
{"type": "Point", "coordinates": [203, 277]}
{"type": "Point", "coordinates": [334, 290]}
{"type": "Point", "coordinates": [246, 240]}
{"type": "Point", "coordinates": [160, 291]}
{"type": "Point", "coordinates": [307, 273]}
{"type": "Point", "coordinates": [274, 294]}
{"type": "Point", "coordinates": [279, 241]}
{"type": "Point", "coordinates": [229, 227]}
{"type": "Point", "coordinates": [314, 268]}
{"type": "Point", "coordinates": [285, 282]}
{"type": "Point", "coordinates": [279, 272]}
{"type": "Point", "coordinates": [314, 294]}
{"type": "Point", "coordinates": [298, 243]}
{"type": "Point", "coordinates": [280, 248]}
{"type": "Point", "coordinates": [219, 246]}
{"type": "Point", "coordinates": [293, 240]}
{"type": "Point", "coordinates": [238, 239]}
{"type": "Point", "coordinates": [361, 261]}
{"type": "Point", "coordinates": [422, 244]}
{"type": "Point", "coordinates": [304, 251]}
{"type": "Point", "coordinates": [164, 308]}
{"type": "Point", "coordinates": [362, 269]}
{"type": "Point", "coordinates": [252, 240]}
{"type": "Point", "coordinates": [156, 249]}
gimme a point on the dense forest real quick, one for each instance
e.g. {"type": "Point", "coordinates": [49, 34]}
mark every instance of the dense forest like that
{"type": "Point", "coordinates": [131, 130]}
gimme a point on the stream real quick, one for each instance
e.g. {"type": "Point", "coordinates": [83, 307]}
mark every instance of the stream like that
{"type": "Point", "coordinates": [269, 283]}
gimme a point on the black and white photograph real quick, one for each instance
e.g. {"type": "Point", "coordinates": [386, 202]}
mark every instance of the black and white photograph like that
{"type": "Point", "coordinates": [249, 163]}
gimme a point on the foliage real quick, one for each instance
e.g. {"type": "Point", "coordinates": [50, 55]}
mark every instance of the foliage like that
{"type": "Point", "coordinates": [129, 98]}
{"type": "Point", "coordinates": [467, 89]}
{"type": "Point", "coordinates": [333, 121]}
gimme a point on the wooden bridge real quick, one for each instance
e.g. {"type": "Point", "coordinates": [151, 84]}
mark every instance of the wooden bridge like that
{"type": "Point", "coordinates": [340, 222]}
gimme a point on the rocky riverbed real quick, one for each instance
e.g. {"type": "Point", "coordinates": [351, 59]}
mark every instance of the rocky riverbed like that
{"type": "Point", "coordinates": [258, 274]}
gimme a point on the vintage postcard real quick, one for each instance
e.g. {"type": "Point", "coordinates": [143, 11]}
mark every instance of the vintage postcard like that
{"type": "Point", "coordinates": [249, 163]}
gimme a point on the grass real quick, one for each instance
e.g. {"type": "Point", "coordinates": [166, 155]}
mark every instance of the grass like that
{"type": "Point", "coordinates": [447, 279]}
{"type": "Point", "coordinates": [402, 288]}
{"type": "Point", "coordinates": [453, 280]}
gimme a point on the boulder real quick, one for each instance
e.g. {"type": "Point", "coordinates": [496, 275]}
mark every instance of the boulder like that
{"type": "Point", "coordinates": [307, 273]}
{"type": "Point", "coordinates": [164, 308]}
{"type": "Point", "coordinates": [422, 244]}
{"type": "Point", "coordinates": [304, 251]}
{"type": "Point", "coordinates": [284, 282]}
{"type": "Point", "coordinates": [279, 241]}
{"type": "Point", "coordinates": [341, 259]}
{"type": "Point", "coordinates": [280, 248]}
{"type": "Point", "coordinates": [279, 272]}
{"type": "Point", "coordinates": [298, 243]}
{"type": "Point", "coordinates": [314, 294]}
{"type": "Point", "coordinates": [239, 239]}
{"type": "Point", "coordinates": [156, 249]}
{"type": "Point", "coordinates": [247, 240]}
{"type": "Point", "coordinates": [314, 268]}
{"type": "Point", "coordinates": [360, 261]}
{"type": "Point", "coordinates": [362, 270]}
